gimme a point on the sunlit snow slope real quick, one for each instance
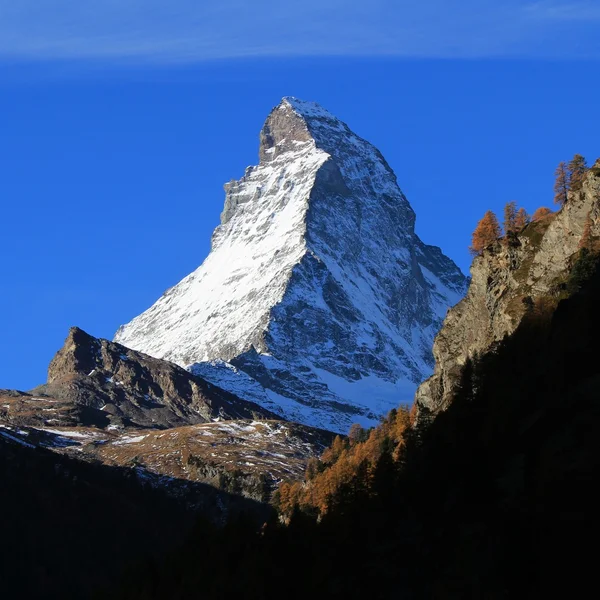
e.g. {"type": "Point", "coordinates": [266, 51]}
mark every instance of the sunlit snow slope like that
{"type": "Point", "coordinates": [317, 299]}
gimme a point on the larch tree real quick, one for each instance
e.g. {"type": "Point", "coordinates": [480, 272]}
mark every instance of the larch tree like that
{"type": "Point", "coordinates": [577, 170]}
{"type": "Point", "coordinates": [510, 217]}
{"type": "Point", "coordinates": [487, 231]}
{"type": "Point", "coordinates": [540, 213]}
{"type": "Point", "coordinates": [357, 434]}
{"type": "Point", "coordinates": [561, 184]}
{"type": "Point", "coordinates": [521, 219]}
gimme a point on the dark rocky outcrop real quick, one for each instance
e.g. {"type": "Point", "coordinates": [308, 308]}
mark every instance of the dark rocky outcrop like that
{"type": "Point", "coordinates": [97, 382]}
{"type": "Point", "coordinates": [105, 403]}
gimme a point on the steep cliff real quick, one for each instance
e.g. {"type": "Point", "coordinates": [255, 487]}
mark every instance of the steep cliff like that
{"type": "Point", "coordinates": [317, 300]}
{"type": "Point", "coordinates": [509, 279]}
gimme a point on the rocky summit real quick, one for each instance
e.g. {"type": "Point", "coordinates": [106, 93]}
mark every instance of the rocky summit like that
{"type": "Point", "coordinates": [318, 301]}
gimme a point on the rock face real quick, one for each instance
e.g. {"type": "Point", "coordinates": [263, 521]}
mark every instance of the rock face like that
{"type": "Point", "coordinates": [96, 382]}
{"type": "Point", "coordinates": [506, 281]}
{"type": "Point", "coordinates": [114, 406]}
{"type": "Point", "coordinates": [317, 300]}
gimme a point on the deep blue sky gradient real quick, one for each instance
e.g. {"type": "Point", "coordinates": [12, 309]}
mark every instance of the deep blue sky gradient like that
{"type": "Point", "coordinates": [111, 177]}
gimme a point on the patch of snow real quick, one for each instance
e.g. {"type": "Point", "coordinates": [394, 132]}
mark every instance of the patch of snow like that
{"type": "Point", "coordinates": [130, 440]}
{"type": "Point", "coordinates": [13, 438]}
{"type": "Point", "coordinates": [67, 434]}
{"type": "Point", "coordinates": [316, 286]}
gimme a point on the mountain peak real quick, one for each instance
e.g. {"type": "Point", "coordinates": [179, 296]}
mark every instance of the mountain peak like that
{"type": "Point", "coordinates": [285, 130]}
{"type": "Point", "coordinates": [317, 300]}
{"type": "Point", "coordinates": [306, 108]}
{"type": "Point", "coordinates": [295, 124]}
{"type": "Point", "coordinates": [78, 355]}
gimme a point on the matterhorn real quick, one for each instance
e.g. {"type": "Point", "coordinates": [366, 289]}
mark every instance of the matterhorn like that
{"type": "Point", "coordinates": [317, 300]}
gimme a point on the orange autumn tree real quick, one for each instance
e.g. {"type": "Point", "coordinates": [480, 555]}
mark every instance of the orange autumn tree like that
{"type": "Point", "coordinates": [487, 232]}
{"type": "Point", "coordinates": [540, 213]}
{"type": "Point", "coordinates": [577, 170]}
{"type": "Point", "coordinates": [346, 467]}
{"type": "Point", "coordinates": [562, 183]}
{"type": "Point", "coordinates": [521, 219]}
{"type": "Point", "coordinates": [510, 217]}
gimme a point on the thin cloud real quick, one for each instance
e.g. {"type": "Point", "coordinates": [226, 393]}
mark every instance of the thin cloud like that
{"type": "Point", "coordinates": [585, 12]}
{"type": "Point", "coordinates": [191, 31]}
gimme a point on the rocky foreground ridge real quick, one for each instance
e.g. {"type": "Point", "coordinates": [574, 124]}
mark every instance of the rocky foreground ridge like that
{"type": "Point", "coordinates": [108, 404]}
{"type": "Point", "coordinates": [509, 279]}
{"type": "Point", "coordinates": [318, 300]}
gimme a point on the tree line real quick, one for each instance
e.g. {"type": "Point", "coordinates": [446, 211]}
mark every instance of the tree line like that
{"type": "Point", "coordinates": [493, 498]}
{"type": "Point", "coordinates": [569, 178]}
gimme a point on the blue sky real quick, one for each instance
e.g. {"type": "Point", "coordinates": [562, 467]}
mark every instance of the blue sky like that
{"type": "Point", "coordinates": [121, 120]}
{"type": "Point", "coordinates": [185, 31]}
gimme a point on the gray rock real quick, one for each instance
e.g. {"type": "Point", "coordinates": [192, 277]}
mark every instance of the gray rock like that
{"type": "Point", "coordinates": [102, 383]}
{"type": "Point", "coordinates": [318, 300]}
{"type": "Point", "coordinates": [505, 280]}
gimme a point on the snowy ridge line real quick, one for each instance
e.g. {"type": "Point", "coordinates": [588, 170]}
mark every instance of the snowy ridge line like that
{"type": "Point", "coordinates": [317, 301]}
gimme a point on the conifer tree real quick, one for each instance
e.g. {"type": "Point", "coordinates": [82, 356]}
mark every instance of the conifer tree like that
{"type": "Point", "coordinates": [577, 170]}
{"type": "Point", "coordinates": [540, 213]}
{"type": "Point", "coordinates": [561, 184]}
{"type": "Point", "coordinates": [521, 219]}
{"type": "Point", "coordinates": [357, 434]}
{"type": "Point", "coordinates": [487, 231]}
{"type": "Point", "coordinates": [510, 217]}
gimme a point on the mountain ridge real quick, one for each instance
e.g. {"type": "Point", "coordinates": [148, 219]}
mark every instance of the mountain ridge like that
{"type": "Point", "coordinates": [317, 291]}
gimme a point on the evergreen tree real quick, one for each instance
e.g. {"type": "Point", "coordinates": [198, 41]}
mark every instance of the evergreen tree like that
{"type": "Point", "coordinates": [510, 217]}
{"type": "Point", "coordinates": [577, 170]}
{"type": "Point", "coordinates": [487, 231]}
{"type": "Point", "coordinates": [562, 184]}
{"type": "Point", "coordinates": [521, 219]}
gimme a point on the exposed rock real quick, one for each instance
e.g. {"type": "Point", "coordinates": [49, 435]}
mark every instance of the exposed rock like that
{"type": "Point", "coordinates": [242, 457]}
{"type": "Point", "coordinates": [506, 280]}
{"type": "Point", "coordinates": [97, 382]}
{"type": "Point", "coordinates": [318, 300]}
{"type": "Point", "coordinates": [108, 404]}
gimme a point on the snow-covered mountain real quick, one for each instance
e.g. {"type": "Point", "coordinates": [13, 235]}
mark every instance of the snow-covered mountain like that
{"type": "Point", "coordinates": [318, 300]}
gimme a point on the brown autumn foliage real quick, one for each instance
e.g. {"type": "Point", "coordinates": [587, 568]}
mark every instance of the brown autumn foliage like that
{"type": "Point", "coordinates": [357, 434]}
{"type": "Point", "coordinates": [487, 231]}
{"type": "Point", "coordinates": [510, 217]}
{"type": "Point", "coordinates": [340, 462]}
{"type": "Point", "coordinates": [521, 219]}
{"type": "Point", "coordinates": [540, 213]}
{"type": "Point", "coordinates": [577, 169]}
{"type": "Point", "coordinates": [562, 183]}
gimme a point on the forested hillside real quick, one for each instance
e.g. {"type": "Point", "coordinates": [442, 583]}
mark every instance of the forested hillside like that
{"type": "Point", "coordinates": [491, 499]}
